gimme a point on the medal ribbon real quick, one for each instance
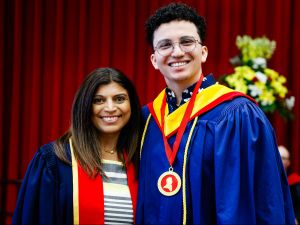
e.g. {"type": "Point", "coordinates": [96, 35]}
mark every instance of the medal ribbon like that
{"type": "Point", "coordinates": [171, 153]}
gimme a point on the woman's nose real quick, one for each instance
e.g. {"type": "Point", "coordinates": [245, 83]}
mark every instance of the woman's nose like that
{"type": "Point", "coordinates": [110, 105]}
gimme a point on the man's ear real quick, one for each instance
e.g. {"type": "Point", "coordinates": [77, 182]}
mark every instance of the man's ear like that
{"type": "Point", "coordinates": [153, 60]}
{"type": "Point", "coordinates": [204, 52]}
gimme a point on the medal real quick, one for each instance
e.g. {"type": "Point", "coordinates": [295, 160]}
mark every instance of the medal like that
{"type": "Point", "coordinates": [169, 183]}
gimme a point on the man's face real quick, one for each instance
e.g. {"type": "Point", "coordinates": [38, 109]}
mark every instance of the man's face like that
{"type": "Point", "coordinates": [180, 67]}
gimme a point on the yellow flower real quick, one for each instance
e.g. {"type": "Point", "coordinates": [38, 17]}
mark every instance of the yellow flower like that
{"type": "Point", "coordinates": [237, 82]}
{"type": "Point", "coordinates": [260, 85]}
{"type": "Point", "coordinates": [242, 87]}
{"type": "Point", "coordinates": [271, 73]}
{"type": "Point", "coordinates": [252, 77]}
{"type": "Point", "coordinates": [279, 88]}
{"type": "Point", "coordinates": [232, 79]}
{"type": "Point", "coordinates": [267, 97]}
{"type": "Point", "coordinates": [282, 79]}
{"type": "Point", "coordinates": [245, 72]}
{"type": "Point", "coordinates": [255, 48]}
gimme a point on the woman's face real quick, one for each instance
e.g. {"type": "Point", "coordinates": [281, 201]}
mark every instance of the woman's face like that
{"type": "Point", "coordinates": [111, 108]}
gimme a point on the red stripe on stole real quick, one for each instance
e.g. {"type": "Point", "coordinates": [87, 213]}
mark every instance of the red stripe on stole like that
{"type": "Point", "coordinates": [223, 98]}
{"type": "Point", "coordinates": [91, 198]}
{"type": "Point", "coordinates": [133, 186]}
{"type": "Point", "coordinates": [206, 108]}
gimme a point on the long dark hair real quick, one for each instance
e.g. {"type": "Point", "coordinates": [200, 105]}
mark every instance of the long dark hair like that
{"type": "Point", "coordinates": [84, 134]}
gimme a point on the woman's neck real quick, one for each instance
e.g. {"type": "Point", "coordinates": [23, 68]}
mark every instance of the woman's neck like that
{"type": "Point", "coordinates": [108, 147]}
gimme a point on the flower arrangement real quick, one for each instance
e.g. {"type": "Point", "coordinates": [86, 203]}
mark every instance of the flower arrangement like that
{"type": "Point", "coordinates": [251, 76]}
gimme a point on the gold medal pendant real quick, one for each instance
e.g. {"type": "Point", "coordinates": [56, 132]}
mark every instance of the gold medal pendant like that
{"type": "Point", "coordinates": [169, 183]}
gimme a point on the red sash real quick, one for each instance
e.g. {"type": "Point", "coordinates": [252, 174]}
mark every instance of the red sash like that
{"type": "Point", "coordinates": [88, 197]}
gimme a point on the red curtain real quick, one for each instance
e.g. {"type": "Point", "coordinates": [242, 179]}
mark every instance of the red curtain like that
{"type": "Point", "coordinates": [49, 46]}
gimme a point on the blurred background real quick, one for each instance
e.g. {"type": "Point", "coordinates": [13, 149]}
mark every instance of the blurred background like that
{"type": "Point", "coordinates": [49, 46]}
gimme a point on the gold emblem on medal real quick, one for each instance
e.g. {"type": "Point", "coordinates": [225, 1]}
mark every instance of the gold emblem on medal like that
{"type": "Point", "coordinates": [169, 183]}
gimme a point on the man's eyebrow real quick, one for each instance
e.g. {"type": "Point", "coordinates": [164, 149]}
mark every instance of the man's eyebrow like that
{"type": "Point", "coordinates": [186, 36]}
{"type": "Point", "coordinates": [164, 40]}
{"type": "Point", "coordinates": [182, 37]}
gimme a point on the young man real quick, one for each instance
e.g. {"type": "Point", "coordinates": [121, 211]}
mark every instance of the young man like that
{"type": "Point", "coordinates": [208, 154]}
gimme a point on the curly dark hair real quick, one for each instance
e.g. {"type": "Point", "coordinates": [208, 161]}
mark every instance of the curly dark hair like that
{"type": "Point", "coordinates": [171, 12]}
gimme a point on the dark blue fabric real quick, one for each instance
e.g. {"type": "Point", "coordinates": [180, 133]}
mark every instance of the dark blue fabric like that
{"type": "Point", "coordinates": [46, 193]}
{"type": "Point", "coordinates": [234, 171]}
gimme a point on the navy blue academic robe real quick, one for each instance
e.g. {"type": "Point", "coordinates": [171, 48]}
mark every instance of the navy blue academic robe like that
{"type": "Point", "coordinates": [46, 194]}
{"type": "Point", "coordinates": [233, 171]}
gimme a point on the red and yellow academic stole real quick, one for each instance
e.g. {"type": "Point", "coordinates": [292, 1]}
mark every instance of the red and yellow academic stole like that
{"type": "Point", "coordinates": [88, 201]}
{"type": "Point", "coordinates": [169, 182]}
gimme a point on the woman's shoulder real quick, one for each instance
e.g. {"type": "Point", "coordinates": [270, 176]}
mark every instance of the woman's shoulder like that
{"type": "Point", "coordinates": [47, 151]}
{"type": "Point", "coordinates": [47, 157]}
{"type": "Point", "coordinates": [46, 178]}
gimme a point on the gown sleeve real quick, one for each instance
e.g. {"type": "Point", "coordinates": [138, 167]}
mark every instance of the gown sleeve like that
{"type": "Point", "coordinates": [250, 183]}
{"type": "Point", "coordinates": [141, 184]}
{"type": "Point", "coordinates": [36, 198]}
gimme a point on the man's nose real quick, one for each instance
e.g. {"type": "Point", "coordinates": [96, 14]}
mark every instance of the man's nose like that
{"type": "Point", "coordinates": [177, 51]}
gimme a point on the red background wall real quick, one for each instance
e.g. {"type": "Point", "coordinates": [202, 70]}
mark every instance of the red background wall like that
{"type": "Point", "coordinates": [49, 46]}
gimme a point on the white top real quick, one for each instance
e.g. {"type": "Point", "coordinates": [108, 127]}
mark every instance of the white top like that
{"type": "Point", "coordinates": [117, 199]}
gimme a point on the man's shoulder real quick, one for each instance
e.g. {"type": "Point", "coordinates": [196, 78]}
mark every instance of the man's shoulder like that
{"type": "Point", "coordinates": [230, 107]}
{"type": "Point", "coordinates": [145, 112]}
{"type": "Point", "coordinates": [239, 102]}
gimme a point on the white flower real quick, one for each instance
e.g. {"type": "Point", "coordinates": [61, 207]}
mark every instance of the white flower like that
{"type": "Point", "coordinates": [261, 77]}
{"type": "Point", "coordinates": [254, 90]}
{"type": "Point", "coordinates": [290, 102]}
{"type": "Point", "coordinates": [259, 62]}
{"type": "Point", "coordinates": [264, 103]}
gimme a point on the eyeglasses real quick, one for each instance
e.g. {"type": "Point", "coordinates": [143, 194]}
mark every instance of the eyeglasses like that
{"type": "Point", "coordinates": [186, 44]}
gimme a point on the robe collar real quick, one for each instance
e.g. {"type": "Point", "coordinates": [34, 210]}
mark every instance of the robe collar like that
{"type": "Point", "coordinates": [206, 100]}
{"type": "Point", "coordinates": [187, 93]}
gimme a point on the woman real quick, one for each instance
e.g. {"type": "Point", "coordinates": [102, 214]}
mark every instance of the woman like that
{"type": "Point", "coordinates": [87, 176]}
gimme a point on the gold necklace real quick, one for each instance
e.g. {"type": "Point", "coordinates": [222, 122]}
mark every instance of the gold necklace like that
{"type": "Point", "coordinates": [112, 151]}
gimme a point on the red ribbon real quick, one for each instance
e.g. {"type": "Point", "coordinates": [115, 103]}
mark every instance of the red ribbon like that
{"type": "Point", "coordinates": [171, 153]}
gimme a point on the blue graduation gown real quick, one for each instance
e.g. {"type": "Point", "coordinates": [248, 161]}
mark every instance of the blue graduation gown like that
{"type": "Point", "coordinates": [234, 174]}
{"type": "Point", "coordinates": [46, 194]}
